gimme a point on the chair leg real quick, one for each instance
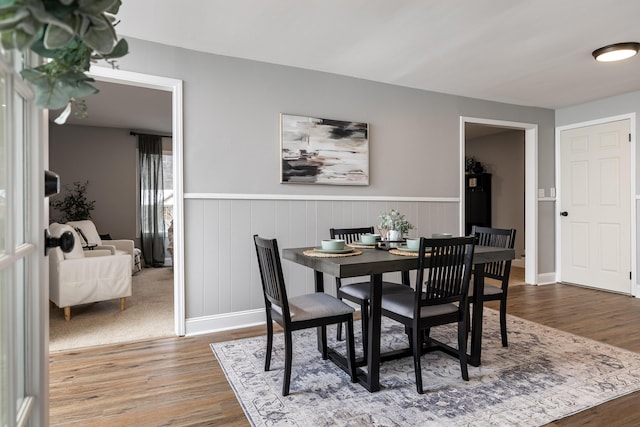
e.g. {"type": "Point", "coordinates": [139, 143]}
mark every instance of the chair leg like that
{"type": "Point", "coordinates": [323, 338]}
{"type": "Point", "coordinates": [364, 319]}
{"type": "Point", "coordinates": [288, 354]}
{"type": "Point", "coordinates": [267, 356]}
{"type": "Point", "coordinates": [462, 348]}
{"type": "Point", "coordinates": [503, 322]}
{"type": "Point", "coordinates": [417, 354]}
{"type": "Point", "coordinates": [67, 313]}
{"type": "Point", "coordinates": [351, 351]}
{"type": "Point", "coordinates": [123, 303]}
{"type": "Point", "coordinates": [468, 321]}
{"type": "Point", "coordinates": [339, 332]}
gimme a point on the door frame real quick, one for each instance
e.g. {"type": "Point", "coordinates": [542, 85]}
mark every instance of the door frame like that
{"type": "Point", "coordinates": [174, 86]}
{"type": "Point", "coordinates": [631, 117]}
{"type": "Point", "coordinates": [530, 186]}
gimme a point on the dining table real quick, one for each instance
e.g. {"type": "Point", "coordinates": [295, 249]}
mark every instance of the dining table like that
{"type": "Point", "coordinates": [374, 263]}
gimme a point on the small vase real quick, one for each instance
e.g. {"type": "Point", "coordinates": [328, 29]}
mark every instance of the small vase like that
{"type": "Point", "coordinates": [394, 235]}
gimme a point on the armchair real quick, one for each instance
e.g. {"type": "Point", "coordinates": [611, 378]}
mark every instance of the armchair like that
{"type": "Point", "coordinates": [81, 277]}
{"type": "Point", "coordinates": [122, 246]}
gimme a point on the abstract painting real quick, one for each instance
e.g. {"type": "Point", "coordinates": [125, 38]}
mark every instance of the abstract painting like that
{"type": "Point", "coordinates": [323, 151]}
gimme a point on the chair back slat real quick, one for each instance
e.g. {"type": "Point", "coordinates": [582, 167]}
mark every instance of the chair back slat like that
{"type": "Point", "coordinates": [447, 266]}
{"type": "Point", "coordinates": [273, 285]}
{"type": "Point", "coordinates": [497, 238]}
{"type": "Point", "coordinates": [349, 235]}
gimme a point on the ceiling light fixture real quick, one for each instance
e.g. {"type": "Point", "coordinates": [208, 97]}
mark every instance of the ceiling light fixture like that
{"type": "Point", "coordinates": [616, 52]}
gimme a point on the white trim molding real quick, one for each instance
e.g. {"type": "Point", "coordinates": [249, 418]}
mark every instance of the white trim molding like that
{"type": "Point", "coordinates": [530, 186]}
{"type": "Point", "coordinates": [174, 86]}
{"type": "Point", "coordinates": [224, 322]}
{"type": "Point", "coordinates": [306, 197]}
{"type": "Point", "coordinates": [547, 278]}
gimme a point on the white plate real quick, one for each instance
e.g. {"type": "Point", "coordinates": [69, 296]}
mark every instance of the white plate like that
{"type": "Point", "coordinates": [406, 249]}
{"type": "Point", "coordinates": [364, 244]}
{"type": "Point", "coordinates": [333, 251]}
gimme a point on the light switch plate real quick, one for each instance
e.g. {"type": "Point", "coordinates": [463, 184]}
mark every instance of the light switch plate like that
{"type": "Point", "coordinates": [540, 192]}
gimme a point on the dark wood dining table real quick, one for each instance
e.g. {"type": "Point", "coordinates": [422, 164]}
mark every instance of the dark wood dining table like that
{"type": "Point", "coordinates": [375, 262]}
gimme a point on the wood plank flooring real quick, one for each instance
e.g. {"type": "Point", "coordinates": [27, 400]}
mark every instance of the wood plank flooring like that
{"type": "Point", "coordinates": [178, 382]}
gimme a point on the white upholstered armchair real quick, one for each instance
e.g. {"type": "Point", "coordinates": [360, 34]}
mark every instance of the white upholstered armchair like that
{"type": "Point", "coordinates": [86, 276]}
{"type": "Point", "coordinates": [121, 246]}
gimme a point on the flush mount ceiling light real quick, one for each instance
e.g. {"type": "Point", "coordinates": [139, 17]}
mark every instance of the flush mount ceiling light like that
{"type": "Point", "coordinates": [616, 52]}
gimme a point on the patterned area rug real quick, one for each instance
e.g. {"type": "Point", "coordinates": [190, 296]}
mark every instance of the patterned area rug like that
{"type": "Point", "coordinates": [544, 375]}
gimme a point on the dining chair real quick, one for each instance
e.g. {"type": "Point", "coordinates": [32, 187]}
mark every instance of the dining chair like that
{"type": "Point", "coordinates": [444, 269]}
{"type": "Point", "coordinates": [300, 312]}
{"type": "Point", "coordinates": [499, 238]}
{"type": "Point", "coordinates": [359, 292]}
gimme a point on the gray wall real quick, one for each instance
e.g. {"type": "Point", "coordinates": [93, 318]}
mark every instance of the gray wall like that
{"type": "Point", "coordinates": [608, 107]}
{"type": "Point", "coordinates": [503, 156]}
{"type": "Point", "coordinates": [231, 145]}
{"type": "Point", "coordinates": [106, 157]}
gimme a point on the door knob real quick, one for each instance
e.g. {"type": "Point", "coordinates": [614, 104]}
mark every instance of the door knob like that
{"type": "Point", "coordinates": [65, 241]}
{"type": "Point", "coordinates": [564, 213]}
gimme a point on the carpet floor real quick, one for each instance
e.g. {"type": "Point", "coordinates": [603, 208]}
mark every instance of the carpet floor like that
{"type": "Point", "coordinates": [149, 314]}
{"type": "Point", "coordinates": [544, 375]}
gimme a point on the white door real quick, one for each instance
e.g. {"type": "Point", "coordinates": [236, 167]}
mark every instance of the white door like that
{"type": "Point", "coordinates": [23, 282]}
{"type": "Point", "coordinates": [595, 206]}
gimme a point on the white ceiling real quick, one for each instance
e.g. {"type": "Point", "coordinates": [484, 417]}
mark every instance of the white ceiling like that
{"type": "Point", "coordinates": [535, 53]}
{"type": "Point", "coordinates": [127, 107]}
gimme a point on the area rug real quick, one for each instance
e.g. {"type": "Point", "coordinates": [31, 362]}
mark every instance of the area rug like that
{"type": "Point", "coordinates": [544, 375]}
{"type": "Point", "coordinates": [149, 314]}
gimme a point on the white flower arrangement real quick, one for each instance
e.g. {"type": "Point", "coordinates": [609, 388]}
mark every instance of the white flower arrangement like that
{"type": "Point", "coordinates": [393, 220]}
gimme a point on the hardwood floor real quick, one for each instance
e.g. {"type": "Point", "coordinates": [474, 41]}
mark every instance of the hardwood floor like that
{"type": "Point", "coordinates": [178, 382]}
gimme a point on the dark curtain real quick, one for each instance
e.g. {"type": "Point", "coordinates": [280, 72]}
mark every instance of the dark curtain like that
{"type": "Point", "coordinates": [151, 199]}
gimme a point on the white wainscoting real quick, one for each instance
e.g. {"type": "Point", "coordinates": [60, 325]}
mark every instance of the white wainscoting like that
{"type": "Point", "coordinates": [222, 282]}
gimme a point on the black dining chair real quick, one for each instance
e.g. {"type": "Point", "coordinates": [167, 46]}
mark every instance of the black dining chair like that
{"type": "Point", "coordinates": [444, 269]}
{"type": "Point", "coordinates": [499, 238]}
{"type": "Point", "coordinates": [359, 292]}
{"type": "Point", "coordinates": [300, 312]}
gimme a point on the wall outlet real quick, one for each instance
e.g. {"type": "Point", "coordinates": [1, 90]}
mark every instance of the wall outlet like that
{"type": "Point", "coordinates": [552, 192]}
{"type": "Point", "coordinates": [540, 192]}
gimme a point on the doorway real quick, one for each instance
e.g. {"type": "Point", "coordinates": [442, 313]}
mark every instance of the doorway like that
{"type": "Point", "coordinates": [483, 127]}
{"type": "Point", "coordinates": [132, 83]}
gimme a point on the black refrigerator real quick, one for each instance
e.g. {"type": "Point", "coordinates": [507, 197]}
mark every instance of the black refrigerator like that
{"type": "Point", "coordinates": [477, 202]}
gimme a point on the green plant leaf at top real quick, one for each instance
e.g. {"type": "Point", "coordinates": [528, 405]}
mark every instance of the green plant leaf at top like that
{"type": "Point", "coordinates": [100, 38]}
{"type": "Point", "coordinates": [96, 7]}
{"type": "Point", "coordinates": [38, 11]}
{"type": "Point", "coordinates": [11, 17]}
{"type": "Point", "coordinates": [55, 93]}
{"type": "Point", "coordinates": [17, 39]}
{"type": "Point", "coordinates": [120, 50]}
{"type": "Point", "coordinates": [56, 37]}
{"type": "Point", "coordinates": [71, 33]}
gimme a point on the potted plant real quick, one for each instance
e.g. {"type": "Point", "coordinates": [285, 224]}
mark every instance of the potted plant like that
{"type": "Point", "coordinates": [393, 225]}
{"type": "Point", "coordinates": [71, 34]}
{"type": "Point", "coordinates": [74, 206]}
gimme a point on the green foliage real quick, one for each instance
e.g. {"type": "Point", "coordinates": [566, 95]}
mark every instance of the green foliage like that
{"type": "Point", "coordinates": [394, 220]}
{"type": "Point", "coordinates": [72, 34]}
{"type": "Point", "coordinates": [74, 205]}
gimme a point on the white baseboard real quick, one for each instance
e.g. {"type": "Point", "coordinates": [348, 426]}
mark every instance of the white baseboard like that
{"type": "Point", "coordinates": [227, 321]}
{"type": "Point", "coordinates": [547, 278]}
{"type": "Point", "coordinates": [224, 322]}
{"type": "Point", "coordinates": [518, 263]}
